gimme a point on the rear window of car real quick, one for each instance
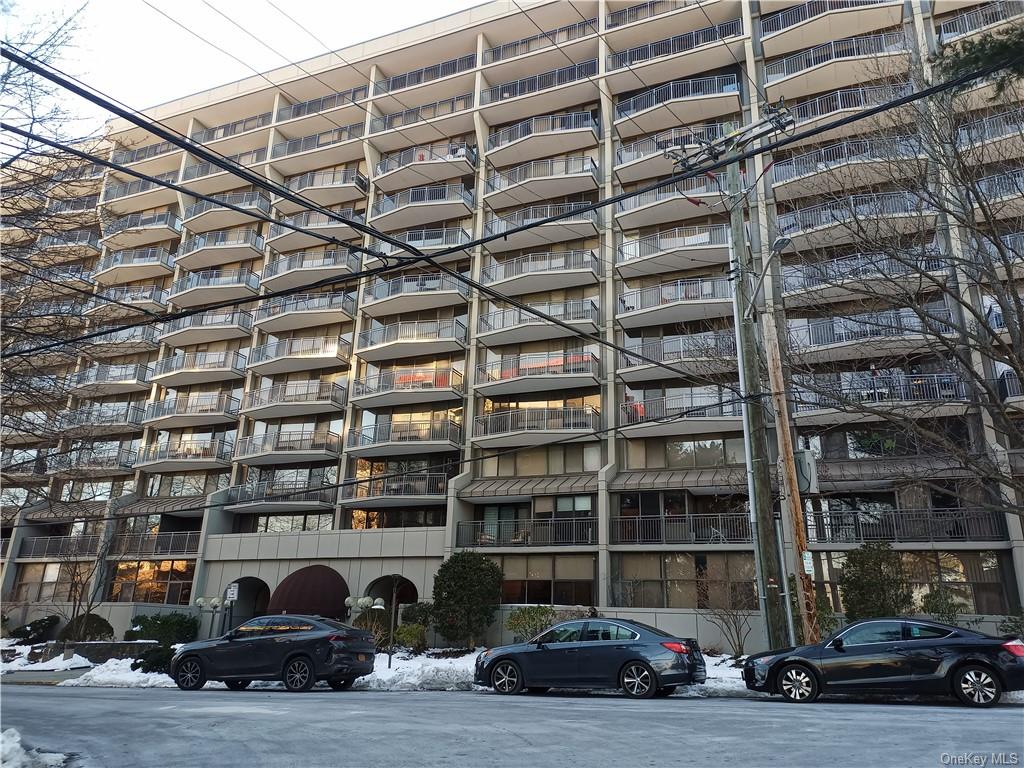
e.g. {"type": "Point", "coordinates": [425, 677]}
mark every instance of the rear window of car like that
{"type": "Point", "coordinates": [649, 628]}
{"type": "Point", "coordinates": [925, 632]}
{"type": "Point", "coordinates": [335, 624]}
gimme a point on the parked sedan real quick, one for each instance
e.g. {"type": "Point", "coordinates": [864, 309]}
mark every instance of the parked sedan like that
{"type": "Point", "coordinates": [893, 655]}
{"type": "Point", "coordinates": [298, 650]}
{"type": "Point", "coordinates": [597, 653]}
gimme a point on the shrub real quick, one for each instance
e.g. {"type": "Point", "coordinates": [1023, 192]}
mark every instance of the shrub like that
{"type": "Point", "coordinates": [412, 636]}
{"type": "Point", "coordinates": [874, 583]}
{"type": "Point", "coordinates": [418, 613]}
{"type": "Point", "coordinates": [1013, 625]}
{"type": "Point", "coordinates": [377, 623]}
{"type": "Point", "coordinates": [940, 604]}
{"type": "Point", "coordinates": [86, 627]}
{"type": "Point", "coordinates": [154, 660]}
{"type": "Point", "coordinates": [166, 628]}
{"type": "Point", "coordinates": [467, 591]}
{"type": "Point", "coordinates": [579, 612]}
{"type": "Point", "coordinates": [530, 620]}
{"type": "Point", "coordinates": [37, 631]}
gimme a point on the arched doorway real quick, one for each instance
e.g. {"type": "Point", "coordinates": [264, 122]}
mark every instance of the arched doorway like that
{"type": "Point", "coordinates": [315, 590]}
{"type": "Point", "coordinates": [253, 599]}
{"type": "Point", "coordinates": [395, 586]}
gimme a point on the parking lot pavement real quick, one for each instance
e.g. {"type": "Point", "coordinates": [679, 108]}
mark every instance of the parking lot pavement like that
{"type": "Point", "coordinates": [167, 728]}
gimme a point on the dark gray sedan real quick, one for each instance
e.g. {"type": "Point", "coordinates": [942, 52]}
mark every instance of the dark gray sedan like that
{"type": "Point", "coordinates": [642, 660]}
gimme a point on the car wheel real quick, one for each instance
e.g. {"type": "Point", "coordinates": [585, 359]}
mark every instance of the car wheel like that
{"type": "Point", "coordinates": [638, 681]}
{"type": "Point", "coordinates": [797, 684]}
{"type": "Point", "coordinates": [341, 684]}
{"type": "Point", "coordinates": [298, 674]}
{"type": "Point", "coordinates": [506, 678]}
{"type": "Point", "coordinates": [977, 686]}
{"type": "Point", "coordinates": [665, 692]}
{"type": "Point", "coordinates": [190, 675]}
{"type": "Point", "coordinates": [538, 689]}
{"type": "Point", "coordinates": [237, 685]}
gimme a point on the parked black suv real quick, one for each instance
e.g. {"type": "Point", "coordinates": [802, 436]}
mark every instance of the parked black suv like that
{"type": "Point", "coordinates": [298, 650]}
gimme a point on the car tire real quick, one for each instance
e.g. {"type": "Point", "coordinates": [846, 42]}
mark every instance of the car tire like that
{"type": "Point", "coordinates": [341, 683]}
{"type": "Point", "coordinates": [298, 674]}
{"type": "Point", "coordinates": [507, 678]}
{"type": "Point", "coordinates": [638, 680]}
{"type": "Point", "coordinates": [237, 685]}
{"type": "Point", "coordinates": [797, 684]}
{"type": "Point", "coordinates": [977, 686]}
{"type": "Point", "coordinates": [664, 693]}
{"type": "Point", "coordinates": [538, 689]}
{"type": "Point", "coordinates": [190, 674]}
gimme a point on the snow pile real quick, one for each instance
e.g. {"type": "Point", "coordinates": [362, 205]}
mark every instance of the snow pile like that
{"type": "Point", "coordinates": [724, 679]}
{"type": "Point", "coordinates": [13, 755]}
{"type": "Point", "coordinates": [420, 673]}
{"type": "Point", "coordinates": [118, 673]}
{"type": "Point", "coordinates": [20, 663]}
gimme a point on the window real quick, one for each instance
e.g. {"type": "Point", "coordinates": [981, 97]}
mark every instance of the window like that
{"type": "Point", "coordinates": [426, 517]}
{"type": "Point", "coordinates": [683, 580]}
{"type": "Point", "coordinates": [563, 633]}
{"type": "Point", "coordinates": [289, 523]}
{"type": "Point", "coordinates": [874, 632]}
{"type": "Point", "coordinates": [547, 579]}
{"type": "Point", "coordinates": [166, 582]}
{"type": "Point", "coordinates": [41, 582]}
{"type": "Point", "coordinates": [192, 484]}
{"type": "Point", "coordinates": [253, 627]}
{"type": "Point", "coordinates": [925, 632]}
{"type": "Point", "coordinates": [573, 506]}
{"type": "Point", "coordinates": [600, 631]}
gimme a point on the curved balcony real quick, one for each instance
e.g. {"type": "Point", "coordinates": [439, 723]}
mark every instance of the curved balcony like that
{"type": "Point", "coordinates": [105, 419]}
{"type": "Point", "coordinates": [121, 198]}
{"type": "Point", "coordinates": [132, 266]}
{"type": "Point", "coordinates": [70, 246]}
{"type": "Point", "coordinates": [304, 310]}
{"type": "Point", "coordinates": [542, 136]}
{"type": "Point", "coordinates": [677, 248]}
{"type": "Point", "coordinates": [539, 180]}
{"type": "Point", "coordinates": [204, 215]}
{"type": "Point", "coordinates": [1001, 133]}
{"type": "Point", "coordinates": [287, 448]}
{"type": "Point", "coordinates": [644, 158]}
{"type": "Point", "coordinates": [845, 220]}
{"type": "Point", "coordinates": [688, 413]}
{"type": "Point", "coordinates": [431, 162]}
{"type": "Point", "coordinates": [284, 239]}
{"type": "Point", "coordinates": [535, 426]}
{"type": "Point", "coordinates": [402, 386]}
{"type": "Point", "coordinates": [100, 462]}
{"type": "Point", "coordinates": [688, 199]}
{"type": "Point", "coordinates": [874, 274]}
{"type": "Point", "coordinates": [278, 496]}
{"type": "Point", "coordinates": [577, 223]}
{"type": "Point", "coordinates": [400, 438]}
{"type": "Point", "coordinates": [867, 398]}
{"type": "Point", "coordinates": [326, 188]}
{"type": "Point", "coordinates": [421, 205]}
{"type": "Point", "coordinates": [414, 338]}
{"type": "Point", "coordinates": [212, 285]}
{"type": "Point", "coordinates": [988, 18]}
{"type": "Point", "coordinates": [128, 341]}
{"type": "Point", "coordinates": [206, 327]}
{"type": "Point", "coordinates": [308, 267]}
{"type": "Point", "coordinates": [139, 229]}
{"type": "Point", "coordinates": [423, 239]}
{"type": "Point", "coordinates": [700, 98]}
{"type": "Point", "coordinates": [182, 370]}
{"type": "Point", "coordinates": [302, 354]}
{"type": "Point", "coordinates": [514, 326]}
{"type": "Point", "coordinates": [214, 248]}
{"type": "Point", "coordinates": [869, 334]}
{"type": "Point", "coordinates": [109, 380]}
{"type": "Point", "coordinates": [698, 354]}
{"type": "Point", "coordinates": [542, 93]}
{"type": "Point", "coordinates": [413, 293]}
{"type": "Point", "coordinates": [812, 113]}
{"type": "Point", "coordinates": [293, 398]}
{"type": "Point", "coordinates": [676, 302]}
{"type": "Point", "coordinates": [208, 178]}
{"type": "Point", "coordinates": [306, 153]}
{"type": "Point", "coordinates": [790, 29]}
{"type": "Point", "coordinates": [536, 272]}
{"type": "Point", "coordinates": [128, 301]}
{"type": "Point", "coordinates": [412, 489]}
{"type": "Point", "coordinates": [542, 371]}
{"type": "Point", "coordinates": [184, 456]}
{"type": "Point", "coordinates": [193, 410]}
{"type": "Point", "coordinates": [422, 123]}
{"type": "Point", "coordinates": [1004, 192]}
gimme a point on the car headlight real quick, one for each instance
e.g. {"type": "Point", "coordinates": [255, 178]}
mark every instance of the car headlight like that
{"type": "Point", "coordinates": [484, 655]}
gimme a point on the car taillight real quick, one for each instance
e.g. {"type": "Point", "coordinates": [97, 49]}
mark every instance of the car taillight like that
{"type": "Point", "coordinates": [677, 647]}
{"type": "Point", "coordinates": [337, 638]}
{"type": "Point", "coordinates": [1015, 647]}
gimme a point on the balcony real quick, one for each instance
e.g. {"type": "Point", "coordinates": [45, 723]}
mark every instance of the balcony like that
{"type": "Point", "coordinates": [294, 398]}
{"type": "Point", "coordinates": [337, 225]}
{"type": "Point", "coordinates": [423, 239]}
{"type": "Point", "coordinates": [128, 341]}
{"type": "Point", "coordinates": [874, 274]}
{"type": "Point", "coordinates": [128, 301]}
{"type": "Point", "coordinates": [155, 545]}
{"type": "Point", "coordinates": [212, 285]}
{"type": "Point", "coordinates": [557, 532]}
{"type": "Point", "coordinates": [304, 310]}
{"type": "Point", "coordinates": [572, 40]}
{"type": "Point", "coordinates": [1004, 193]}
{"type": "Point", "coordinates": [540, 180]}
{"type": "Point", "coordinates": [514, 326]}
{"type": "Point", "coordinates": [537, 272]}
{"type": "Point", "coordinates": [535, 426]}
{"type": "Point", "coordinates": [717, 528]}
{"type": "Point", "coordinates": [279, 496]}
{"type": "Point", "coordinates": [224, 131]}
{"type": "Point", "coordinates": [207, 327]}
{"type": "Point", "coordinates": [411, 339]}
{"type": "Point", "coordinates": [132, 266]}
{"type": "Point", "coordinates": [101, 462]}
{"type": "Point", "coordinates": [988, 17]}
{"type": "Point", "coordinates": [542, 136]}
{"type": "Point", "coordinates": [294, 156]}
{"type": "Point", "coordinates": [813, 113]}
{"type": "Point", "coordinates": [109, 380]}
{"type": "Point", "coordinates": [59, 548]}
{"type": "Point", "coordinates": [184, 456]}
{"type": "Point", "coordinates": [842, 63]}
{"type": "Point", "coordinates": [413, 293]}
{"type": "Point", "coordinates": [184, 369]}
{"type": "Point", "coordinates": [193, 410]}
{"type": "Point", "coordinates": [70, 246]}
{"type": "Point", "coordinates": [1001, 134]}
{"type": "Point", "coordinates": [824, 400]}
{"type": "Point", "coordinates": [302, 354]}
{"type": "Point", "coordinates": [576, 224]}
{"type": "Point", "coordinates": [308, 267]}
{"type": "Point", "coordinates": [541, 93]}
{"type": "Point", "coordinates": [204, 215]}
{"type": "Point", "coordinates": [214, 248]}
{"type": "Point", "coordinates": [904, 525]}
{"type": "Point", "coordinates": [870, 334]}
{"type": "Point", "coordinates": [287, 447]}
{"type": "Point", "coordinates": [678, 301]}
{"type": "Point", "coordinates": [677, 248]}
{"type": "Point", "coordinates": [130, 156]}
{"type": "Point", "coordinates": [406, 386]}
{"type": "Point", "coordinates": [105, 419]}
{"type": "Point", "coordinates": [121, 198]}
{"type": "Point", "coordinates": [418, 77]}
{"type": "Point", "coordinates": [1010, 390]}
{"type": "Point", "coordinates": [693, 412]}
{"type": "Point", "coordinates": [790, 29]}
{"type": "Point", "coordinates": [421, 205]}
{"type": "Point", "coordinates": [321, 110]}
{"type": "Point", "coordinates": [698, 354]}
{"type": "Point", "coordinates": [642, 21]}
{"type": "Point", "coordinates": [401, 438]}
{"type": "Point", "coordinates": [700, 98]}
{"type": "Point", "coordinates": [645, 157]}
{"type": "Point", "coordinates": [139, 229]}
{"type": "Point", "coordinates": [423, 123]}
{"type": "Point", "coordinates": [430, 162]}
{"type": "Point", "coordinates": [688, 199]}
{"type": "Point", "coordinates": [846, 220]}
{"type": "Point", "coordinates": [208, 178]}
{"type": "Point", "coordinates": [325, 188]}
{"type": "Point", "coordinates": [539, 372]}
{"type": "Point", "coordinates": [409, 490]}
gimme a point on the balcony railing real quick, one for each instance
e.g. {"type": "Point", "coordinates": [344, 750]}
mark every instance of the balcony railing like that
{"type": "Point", "coordinates": [457, 150]}
{"type": "Point", "coordinates": [1010, 385]}
{"type": "Point", "coordinates": [585, 418]}
{"type": "Point", "coordinates": [101, 374]}
{"type": "Point", "coordinates": [904, 525]}
{"type": "Point", "coordinates": [677, 89]}
{"type": "Point", "coordinates": [212, 319]}
{"type": "Point", "coordinates": [199, 170]}
{"type": "Point", "coordinates": [836, 50]}
{"type": "Point", "coordinates": [643, 11]}
{"type": "Point", "coordinates": [411, 484]}
{"type": "Point", "coordinates": [686, 405]}
{"type": "Point", "coordinates": [126, 156]}
{"type": "Point", "coordinates": [408, 380]}
{"type": "Point", "coordinates": [847, 99]}
{"type": "Point", "coordinates": [281, 492]}
{"type": "Point", "coordinates": [991, 127]}
{"type": "Point", "coordinates": [699, 185]}
{"type": "Point", "coordinates": [413, 284]}
{"type": "Point", "coordinates": [335, 178]}
{"type": "Point", "coordinates": [307, 302]}
{"type": "Point", "coordinates": [559, 166]}
{"type": "Point", "coordinates": [869, 325]}
{"type": "Point", "coordinates": [145, 334]}
{"type": "Point", "coordinates": [315, 219]}
{"type": "Point", "coordinates": [878, 390]}
{"type": "Point", "coordinates": [438, 431]}
{"type": "Point", "coordinates": [107, 414]}
{"type": "Point", "coordinates": [316, 141]}
{"type": "Point", "coordinates": [200, 361]}
{"type": "Point", "coordinates": [295, 392]}
{"type": "Point", "coordinates": [687, 136]}
{"type": "Point", "coordinates": [534, 263]}
{"type": "Point", "coordinates": [209, 404]}
{"type": "Point", "coordinates": [858, 208]}
{"type": "Point", "coordinates": [287, 442]}
{"type": "Point", "coordinates": [979, 17]}
{"type": "Point", "coordinates": [184, 450]}
{"type": "Point", "coordinates": [144, 221]}
{"type": "Point", "coordinates": [579, 310]}
{"type": "Point", "coordinates": [112, 459]}
{"type": "Point", "coordinates": [215, 278]}
{"type": "Point", "coordinates": [889, 148]}
{"type": "Point", "coordinates": [857, 267]}
{"type": "Point", "coordinates": [539, 364]}
{"type": "Point", "coordinates": [435, 193]}
{"type": "Point", "coordinates": [675, 45]}
{"type": "Point", "coordinates": [715, 528]}
{"type": "Point", "coordinates": [543, 81]}
{"type": "Point", "coordinates": [691, 289]}
{"type": "Point", "coordinates": [1001, 185]}
{"type": "Point", "coordinates": [129, 294]}
{"type": "Point", "coordinates": [73, 238]}
{"type": "Point", "coordinates": [565, 532]}
{"type": "Point", "coordinates": [443, 237]}
{"type": "Point", "coordinates": [323, 346]}
{"type": "Point", "coordinates": [540, 41]}
{"type": "Point", "coordinates": [572, 121]}
{"type": "Point", "coordinates": [322, 103]}
{"type": "Point", "coordinates": [204, 135]}
{"type": "Point", "coordinates": [673, 239]}
{"type": "Point", "coordinates": [425, 74]}
{"type": "Point", "coordinates": [222, 238]}
{"type": "Point", "coordinates": [497, 224]}
{"type": "Point", "coordinates": [156, 544]}
{"type": "Point", "coordinates": [422, 113]}
{"type": "Point", "coordinates": [125, 188]}
{"type": "Point", "coordinates": [776, 22]}
{"type": "Point", "coordinates": [256, 200]}
{"type": "Point", "coordinates": [321, 259]}
{"type": "Point", "coordinates": [413, 330]}
{"type": "Point", "coordinates": [712, 345]}
{"type": "Point", "coordinates": [136, 257]}
{"type": "Point", "coordinates": [55, 547]}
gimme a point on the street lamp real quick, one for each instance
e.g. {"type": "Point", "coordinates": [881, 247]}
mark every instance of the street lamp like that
{"type": "Point", "coordinates": [210, 605]}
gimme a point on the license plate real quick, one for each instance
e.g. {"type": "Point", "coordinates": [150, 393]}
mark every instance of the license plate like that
{"type": "Point", "coordinates": [361, 657]}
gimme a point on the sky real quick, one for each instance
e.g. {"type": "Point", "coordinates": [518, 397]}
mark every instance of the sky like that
{"type": "Point", "coordinates": [129, 51]}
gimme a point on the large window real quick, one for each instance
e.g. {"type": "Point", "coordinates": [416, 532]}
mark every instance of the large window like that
{"type": "Point", "coordinates": [659, 453]}
{"type": "Point", "coordinates": [423, 517]}
{"type": "Point", "coordinates": [323, 521]}
{"type": "Point", "coordinates": [45, 582]}
{"type": "Point", "coordinates": [152, 581]}
{"type": "Point", "coordinates": [543, 460]}
{"type": "Point", "coordinates": [683, 580]}
{"type": "Point", "coordinates": [547, 579]}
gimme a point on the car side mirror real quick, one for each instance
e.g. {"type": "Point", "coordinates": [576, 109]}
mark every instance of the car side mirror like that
{"type": "Point", "coordinates": [540, 644]}
{"type": "Point", "coordinates": [838, 644]}
{"type": "Point", "coordinates": [231, 635]}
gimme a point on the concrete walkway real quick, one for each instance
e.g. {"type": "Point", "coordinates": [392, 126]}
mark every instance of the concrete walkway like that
{"type": "Point", "coordinates": [40, 678]}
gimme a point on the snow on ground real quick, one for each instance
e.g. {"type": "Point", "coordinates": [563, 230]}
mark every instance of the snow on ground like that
{"type": "Point", "coordinates": [118, 673]}
{"type": "Point", "coordinates": [724, 679]}
{"type": "Point", "coordinates": [20, 663]}
{"type": "Point", "coordinates": [14, 755]}
{"type": "Point", "coordinates": [420, 673]}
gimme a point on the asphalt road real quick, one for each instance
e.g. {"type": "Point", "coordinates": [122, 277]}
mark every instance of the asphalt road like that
{"type": "Point", "coordinates": [165, 728]}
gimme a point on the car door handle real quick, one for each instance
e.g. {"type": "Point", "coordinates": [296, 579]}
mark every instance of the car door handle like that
{"type": "Point", "coordinates": [621, 647]}
{"type": "Point", "coordinates": [894, 649]}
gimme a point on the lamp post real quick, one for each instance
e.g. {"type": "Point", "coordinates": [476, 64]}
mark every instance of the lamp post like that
{"type": "Point", "coordinates": [214, 604]}
{"type": "Point", "coordinates": [368, 604]}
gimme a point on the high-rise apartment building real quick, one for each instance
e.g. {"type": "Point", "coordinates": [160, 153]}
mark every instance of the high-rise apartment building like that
{"type": "Point", "coordinates": [209, 448]}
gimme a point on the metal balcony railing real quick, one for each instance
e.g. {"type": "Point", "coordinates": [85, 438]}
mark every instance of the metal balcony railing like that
{"type": "Point", "coordinates": [643, 11]}
{"type": "Point", "coordinates": [572, 121]}
{"type": "Point", "coordinates": [888, 148]}
{"type": "Point", "coordinates": [691, 289]}
{"type": "Point", "coordinates": [320, 259]}
{"type": "Point", "coordinates": [979, 17]}
{"type": "Point", "coordinates": [136, 257]}
{"type": "Point", "coordinates": [322, 103]}
{"type": "Point", "coordinates": [673, 239]}
{"type": "Point", "coordinates": [425, 74]}
{"type": "Point", "coordinates": [869, 325]}
{"type": "Point", "coordinates": [145, 334]}
{"type": "Point", "coordinates": [694, 404]}
{"type": "Point", "coordinates": [713, 528]}
{"type": "Point", "coordinates": [438, 431]}
{"type": "Point", "coordinates": [559, 166]}
{"type": "Point", "coordinates": [411, 484]}
{"type": "Point", "coordinates": [564, 532]}
{"type": "Point", "coordinates": [295, 392]}
{"type": "Point", "coordinates": [847, 99]}
{"type": "Point", "coordinates": [413, 284]}
{"type": "Point", "coordinates": [904, 525]}
{"type": "Point", "coordinates": [698, 185]}
{"type": "Point", "coordinates": [335, 178]}
{"type": "Point", "coordinates": [156, 544]}
{"type": "Point", "coordinates": [687, 136]}
{"type": "Point", "coordinates": [317, 140]}
{"type": "Point", "coordinates": [307, 302]}
{"type": "Point", "coordinates": [216, 278]}
{"type": "Point", "coordinates": [422, 113]}
{"type": "Point", "coordinates": [677, 89]}
{"type": "Point", "coordinates": [127, 156]}
{"type": "Point", "coordinates": [72, 238]}
{"type": "Point", "coordinates": [540, 41]}
{"type": "Point", "coordinates": [199, 170]}
{"type": "Point", "coordinates": [991, 127]}
{"type": "Point", "coordinates": [1010, 184]}
{"type": "Point", "coordinates": [456, 150]}
{"type": "Point", "coordinates": [539, 364]}
{"type": "Point", "coordinates": [117, 459]}
{"type": "Point", "coordinates": [322, 346]}
{"type": "Point", "coordinates": [790, 17]}
{"type": "Point", "coordinates": [200, 361]}
{"type": "Point", "coordinates": [853, 208]}
{"type": "Point", "coordinates": [55, 547]}
{"type": "Point", "coordinates": [100, 374]}
{"type": "Point", "coordinates": [244, 125]}
{"type": "Point", "coordinates": [408, 380]}
{"type": "Point", "coordinates": [1010, 385]}
{"type": "Point", "coordinates": [209, 404]}
{"type": "Point", "coordinates": [533, 263]}
{"type": "Point", "coordinates": [118, 190]}
{"type": "Point", "coordinates": [710, 346]}
{"type": "Point", "coordinates": [435, 193]}
{"type": "Point", "coordinates": [225, 238]}
{"type": "Point", "coordinates": [129, 294]}
{"type": "Point", "coordinates": [585, 418]}
{"type": "Point", "coordinates": [443, 237]}
{"type": "Point", "coordinates": [216, 318]}
{"type": "Point", "coordinates": [413, 330]}
{"type": "Point", "coordinates": [287, 442]}
{"type": "Point", "coordinates": [279, 491]}
{"type": "Point", "coordinates": [144, 221]}
{"type": "Point", "coordinates": [541, 82]}
{"type": "Point", "coordinates": [255, 200]}
{"type": "Point", "coordinates": [878, 390]}
{"type": "Point", "coordinates": [184, 450]}
{"type": "Point", "coordinates": [675, 45]}
{"type": "Point", "coordinates": [107, 414]}
{"type": "Point", "coordinates": [315, 219]}
{"type": "Point", "coordinates": [857, 267]}
{"type": "Point", "coordinates": [495, 225]}
{"type": "Point", "coordinates": [570, 311]}
{"type": "Point", "coordinates": [835, 50]}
